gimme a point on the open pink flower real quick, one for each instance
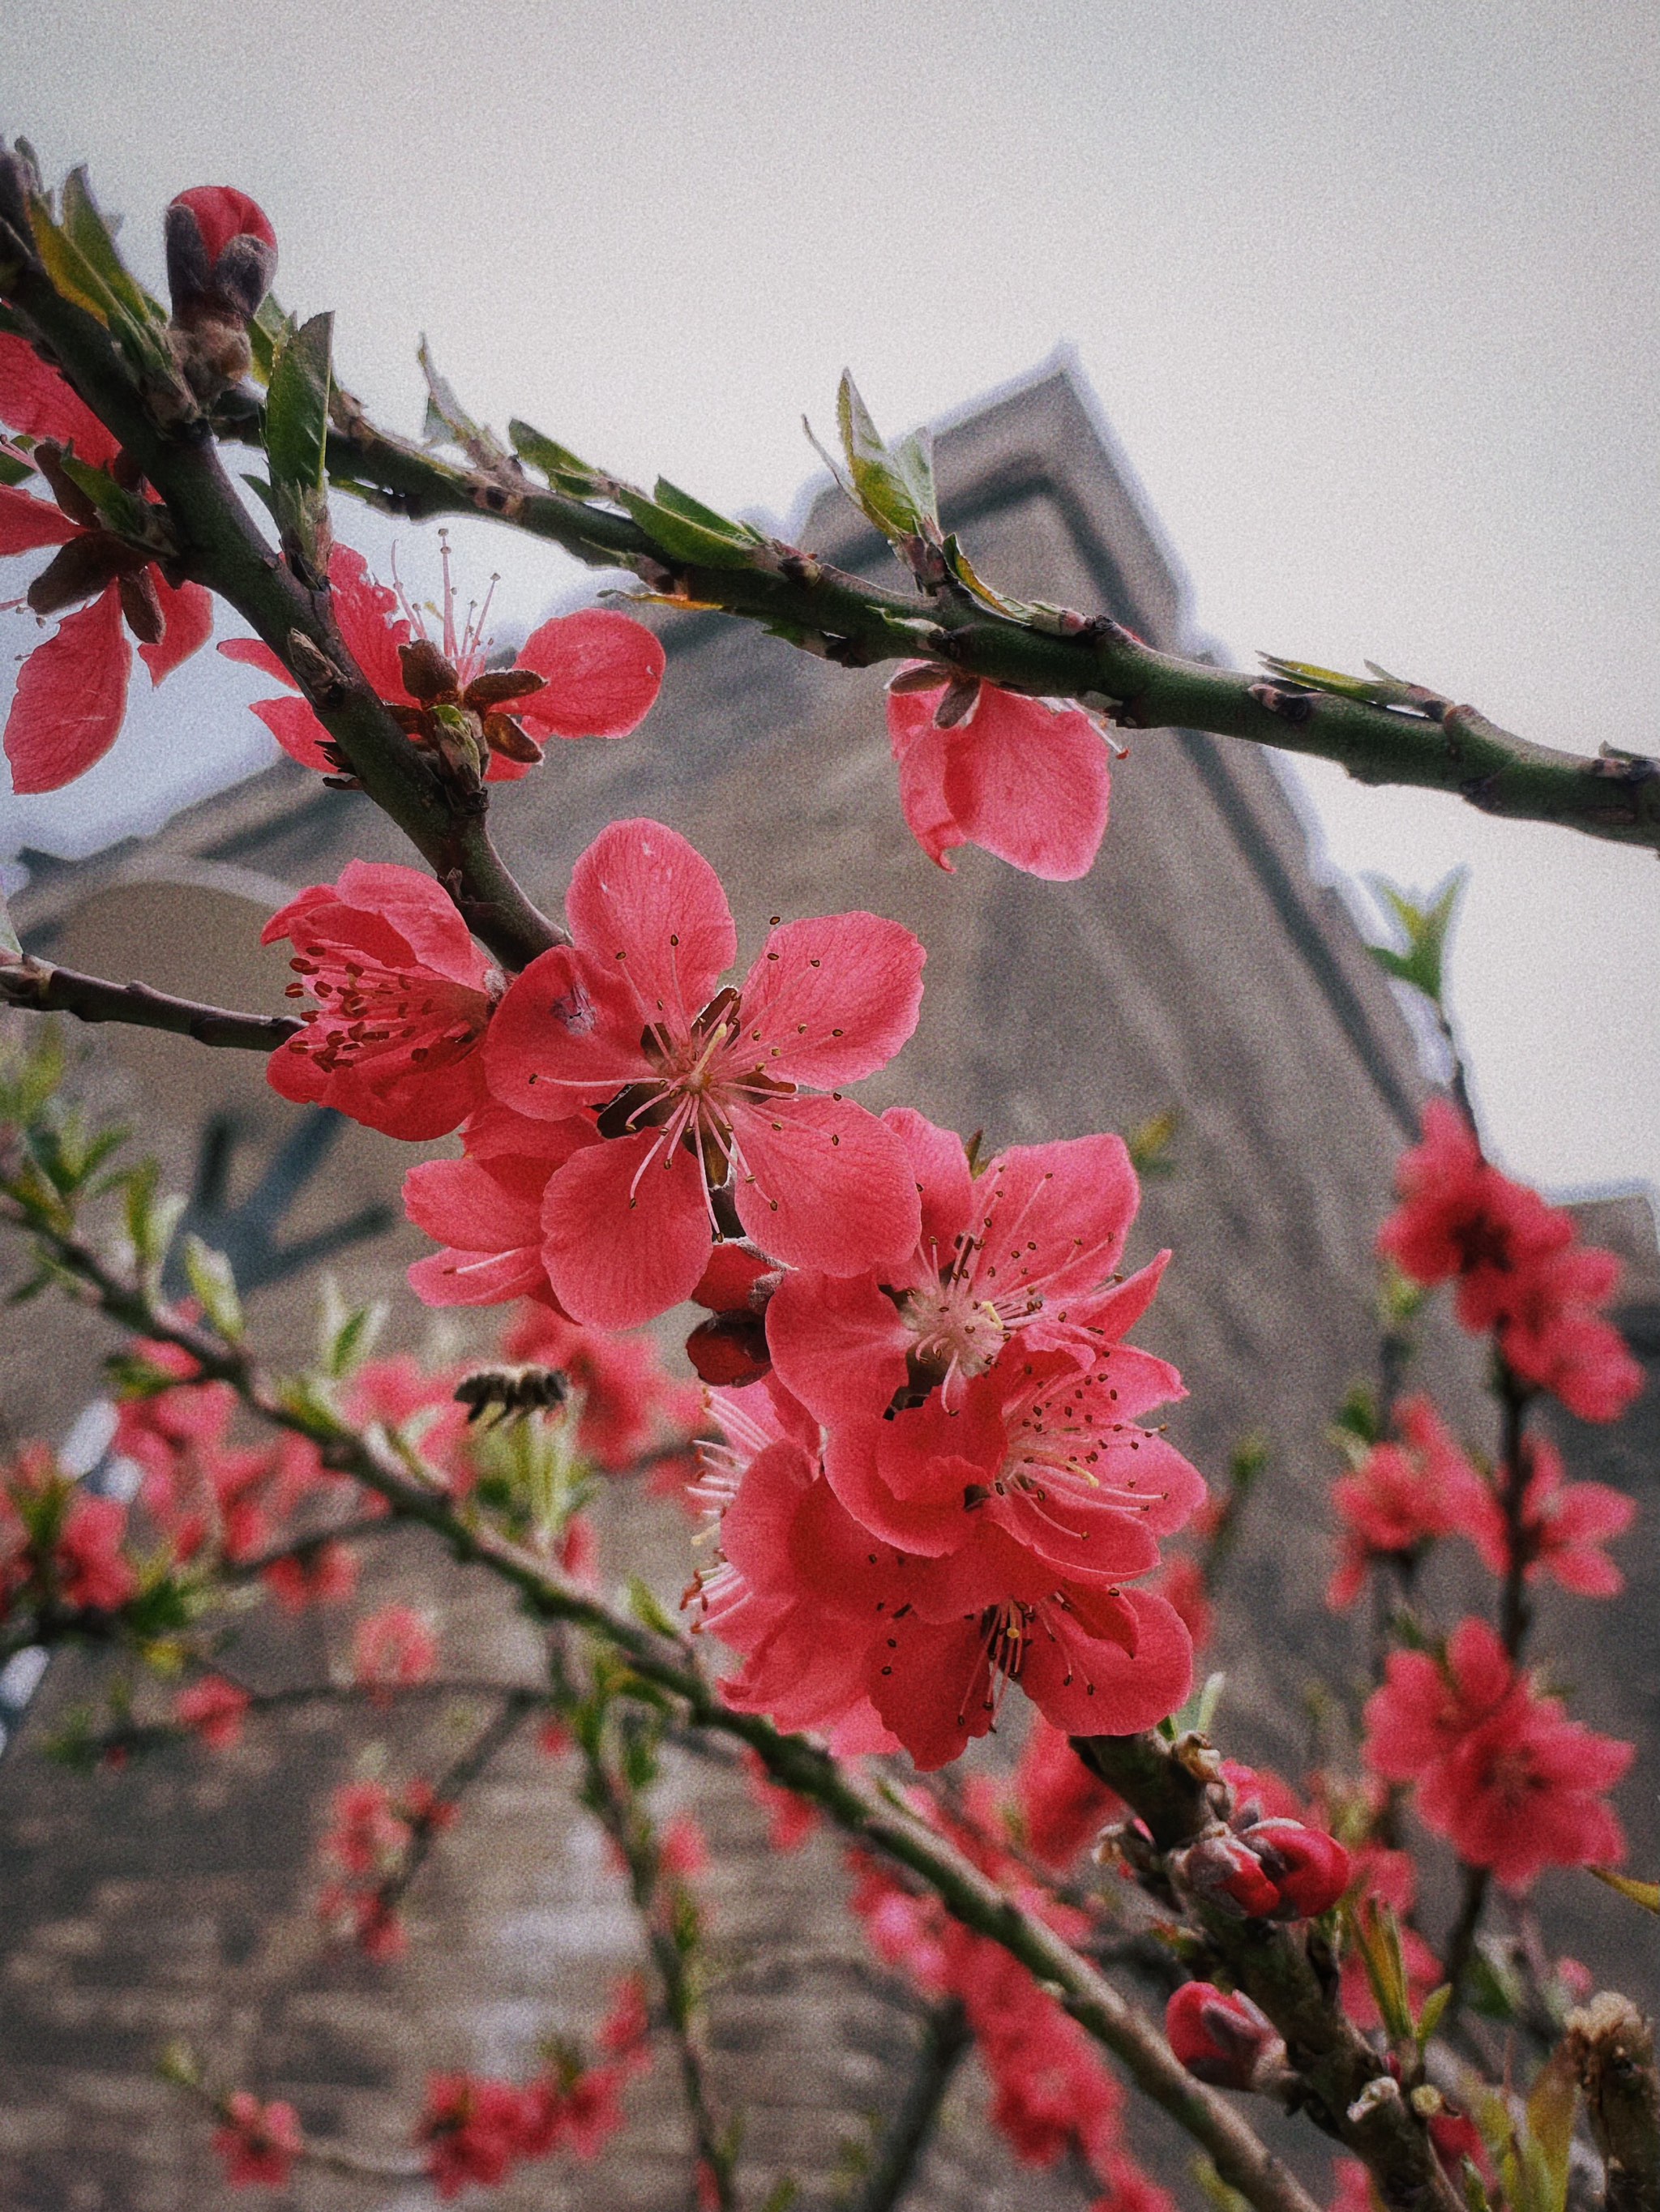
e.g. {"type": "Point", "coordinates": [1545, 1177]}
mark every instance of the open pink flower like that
{"type": "Point", "coordinates": [72, 692]}
{"type": "Point", "coordinates": [695, 1089]}
{"type": "Point", "coordinates": [214, 1709]}
{"type": "Point", "coordinates": [473, 2130]}
{"type": "Point", "coordinates": [1027, 779]}
{"type": "Point", "coordinates": [1014, 1257]}
{"type": "Point", "coordinates": [1564, 1527]}
{"type": "Point", "coordinates": [1554, 1336]}
{"type": "Point", "coordinates": [394, 1649]}
{"type": "Point", "coordinates": [403, 997]}
{"type": "Point", "coordinates": [1404, 1496]}
{"type": "Point", "coordinates": [1501, 1771]}
{"type": "Point", "coordinates": [1461, 1221]}
{"type": "Point", "coordinates": [257, 2142]}
{"type": "Point", "coordinates": [595, 673]}
{"type": "Point", "coordinates": [1042, 1447]}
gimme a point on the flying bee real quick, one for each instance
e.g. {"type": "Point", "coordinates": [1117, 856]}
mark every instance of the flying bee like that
{"type": "Point", "coordinates": [495, 1394]}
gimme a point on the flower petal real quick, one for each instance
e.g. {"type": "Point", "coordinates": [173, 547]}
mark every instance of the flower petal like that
{"type": "Point", "coordinates": [187, 615]}
{"type": "Point", "coordinates": [647, 904]}
{"type": "Point", "coordinates": [839, 1344]}
{"type": "Point", "coordinates": [71, 695]}
{"type": "Point", "coordinates": [297, 730]}
{"type": "Point", "coordinates": [1054, 1218]}
{"type": "Point", "coordinates": [1089, 1685]}
{"type": "Point", "coordinates": [458, 1277]}
{"type": "Point", "coordinates": [423, 914]}
{"type": "Point", "coordinates": [822, 1184]}
{"type": "Point", "coordinates": [603, 673]}
{"type": "Point", "coordinates": [26, 524]}
{"type": "Point", "coordinates": [625, 1236]}
{"type": "Point", "coordinates": [832, 1000]}
{"type": "Point", "coordinates": [371, 621]}
{"type": "Point", "coordinates": [254, 653]}
{"type": "Point", "coordinates": [1030, 784]}
{"type": "Point", "coordinates": [567, 1033]}
{"type": "Point", "coordinates": [921, 750]}
{"type": "Point", "coordinates": [36, 401]}
{"type": "Point", "coordinates": [481, 1210]}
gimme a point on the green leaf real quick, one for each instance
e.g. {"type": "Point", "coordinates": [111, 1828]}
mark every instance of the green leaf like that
{"type": "Point", "coordinates": [297, 433]}
{"type": "Point", "coordinates": [1150, 1141]}
{"type": "Point", "coordinates": [1429, 2019]}
{"type": "Point", "coordinates": [447, 422]}
{"type": "Point", "coordinates": [1424, 923]}
{"type": "Point", "coordinates": [214, 1282]}
{"type": "Point", "coordinates": [561, 467]}
{"type": "Point", "coordinates": [1646, 1893]}
{"type": "Point", "coordinates": [1377, 1938]}
{"type": "Point", "coordinates": [14, 471]}
{"type": "Point", "coordinates": [94, 240]}
{"type": "Point", "coordinates": [270, 325]}
{"type": "Point", "coordinates": [118, 509]}
{"type": "Point", "coordinates": [684, 537]}
{"type": "Point", "coordinates": [348, 1333]}
{"type": "Point", "coordinates": [1379, 689]}
{"type": "Point", "coordinates": [647, 1608]}
{"type": "Point", "coordinates": [891, 485]}
{"type": "Point", "coordinates": [1551, 2103]}
{"type": "Point", "coordinates": [150, 1219]}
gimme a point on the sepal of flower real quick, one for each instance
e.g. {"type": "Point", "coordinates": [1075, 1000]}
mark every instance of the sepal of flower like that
{"type": "Point", "coordinates": [1223, 2039]}
{"type": "Point", "coordinates": [1028, 779]}
{"type": "Point", "coordinates": [258, 2143]}
{"type": "Point", "coordinates": [72, 691]}
{"type": "Point", "coordinates": [402, 996]}
{"type": "Point", "coordinates": [700, 1091]}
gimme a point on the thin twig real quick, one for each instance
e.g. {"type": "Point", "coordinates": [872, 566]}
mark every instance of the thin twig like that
{"type": "Point", "coordinates": [945, 2041]}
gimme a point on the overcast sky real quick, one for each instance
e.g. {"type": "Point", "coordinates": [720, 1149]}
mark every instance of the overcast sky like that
{"type": "Point", "coordinates": [1367, 292]}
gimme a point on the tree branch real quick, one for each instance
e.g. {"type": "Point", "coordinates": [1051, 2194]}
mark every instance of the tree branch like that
{"type": "Point", "coordinates": [42, 988]}
{"type": "Point", "coordinates": [946, 2041]}
{"type": "Point", "coordinates": [1440, 746]}
{"type": "Point", "coordinates": [876, 1817]}
{"type": "Point", "coordinates": [1612, 2046]}
{"type": "Point", "coordinates": [220, 545]}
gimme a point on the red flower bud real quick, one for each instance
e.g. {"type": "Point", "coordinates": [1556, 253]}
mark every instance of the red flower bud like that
{"type": "Point", "coordinates": [1223, 2041]}
{"type": "Point", "coordinates": [221, 252]}
{"type": "Point", "coordinates": [1310, 1869]}
{"type": "Point", "coordinates": [1224, 1871]}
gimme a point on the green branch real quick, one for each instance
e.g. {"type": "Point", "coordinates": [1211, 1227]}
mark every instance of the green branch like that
{"type": "Point", "coordinates": [1431, 743]}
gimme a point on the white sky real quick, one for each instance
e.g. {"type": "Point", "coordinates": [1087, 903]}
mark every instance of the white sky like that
{"type": "Point", "coordinates": [1368, 294]}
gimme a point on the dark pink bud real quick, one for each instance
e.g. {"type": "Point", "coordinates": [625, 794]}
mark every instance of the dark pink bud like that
{"type": "Point", "coordinates": [221, 252]}
{"type": "Point", "coordinates": [1223, 2041]}
{"type": "Point", "coordinates": [1310, 1869]}
{"type": "Point", "coordinates": [1225, 1871]}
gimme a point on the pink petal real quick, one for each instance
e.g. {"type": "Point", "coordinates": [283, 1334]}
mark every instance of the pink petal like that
{"type": "Point", "coordinates": [71, 695]}
{"type": "Point", "coordinates": [254, 653]}
{"type": "Point", "coordinates": [1029, 784]}
{"type": "Point", "coordinates": [839, 1344]}
{"type": "Point", "coordinates": [422, 913]}
{"type": "Point", "coordinates": [603, 671]}
{"type": "Point", "coordinates": [457, 1276]}
{"type": "Point", "coordinates": [943, 1182]}
{"type": "Point", "coordinates": [37, 401]}
{"type": "Point", "coordinates": [187, 614]}
{"type": "Point", "coordinates": [566, 1034]}
{"type": "Point", "coordinates": [932, 1687]}
{"type": "Point", "coordinates": [297, 730]}
{"type": "Point", "coordinates": [1089, 1685]}
{"type": "Point", "coordinates": [459, 1202]}
{"type": "Point", "coordinates": [1117, 1310]}
{"type": "Point", "coordinates": [648, 907]}
{"type": "Point", "coordinates": [371, 621]}
{"type": "Point", "coordinates": [913, 1502]}
{"type": "Point", "coordinates": [822, 1184]}
{"type": "Point", "coordinates": [832, 1000]}
{"type": "Point", "coordinates": [26, 524]}
{"type": "Point", "coordinates": [1055, 1216]}
{"type": "Point", "coordinates": [619, 1252]}
{"type": "Point", "coordinates": [921, 750]}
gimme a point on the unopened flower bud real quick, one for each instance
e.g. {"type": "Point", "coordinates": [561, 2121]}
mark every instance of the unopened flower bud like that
{"type": "Point", "coordinates": [1222, 1869]}
{"type": "Point", "coordinates": [1225, 2040]}
{"type": "Point", "coordinates": [1310, 1869]}
{"type": "Point", "coordinates": [221, 252]}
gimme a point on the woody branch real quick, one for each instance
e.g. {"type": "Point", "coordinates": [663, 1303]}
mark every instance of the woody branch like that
{"type": "Point", "coordinates": [866, 1812]}
{"type": "Point", "coordinates": [1436, 744]}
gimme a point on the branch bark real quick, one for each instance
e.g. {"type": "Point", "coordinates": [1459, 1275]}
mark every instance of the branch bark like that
{"type": "Point", "coordinates": [1446, 747]}
{"type": "Point", "coordinates": [946, 2041]}
{"type": "Point", "coordinates": [1612, 2046]}
{"type": "Point", "coordinates": [42, 988]}
{"type": "Point", "coordinates": [875, 1816]}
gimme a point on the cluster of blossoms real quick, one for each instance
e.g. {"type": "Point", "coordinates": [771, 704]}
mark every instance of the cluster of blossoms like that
{"type": "Point", "coordinates": [475, 2131]}
{"type": "Point", "coordinates": [1519, 1271]}
{"type": "Point", "coordinates": [60, 1546]}
{"type": "Point", "coordinates": [367, 1848]}
{"type": "Point", "coordinates": [1500, 1770]}
{"type": "Point", "coordinates": [1053, 2094]}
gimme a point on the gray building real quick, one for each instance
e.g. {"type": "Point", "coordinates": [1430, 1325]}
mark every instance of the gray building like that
{"type": "Point", "coordinates": [1202, 967]}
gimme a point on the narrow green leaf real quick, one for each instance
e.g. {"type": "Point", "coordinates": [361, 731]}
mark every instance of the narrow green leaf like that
{"type": "Point", "coordinates": [683, 540]}
{"type": "Point", "coordinates": [13, 471]}
{"type": "Point", "coordinates": [214, 1282]}
{"type": "Point", "coordinates": [1646, 1893]}
{"type": "Point", "coordinates": [297, 410]}
{"type": "Point", "coordinates": [1551, 2103]}
{"type": "Point", "coordinates": [93, 238]}
{"type": "Point", "coordinates": [118, 510]}
{"type": "Point", "coordinates": [892, 489]}
{"type": "Point", "coordinates": [561, 467]}
{"type": "Point", "coordinates": [73, 277]}
{"type": "Point", "coordinates": [1434, 2007]}
{"type": "Point", "coordinates": [647, 1608]}
{"type": "Point", "coordinates": [269, 326]}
